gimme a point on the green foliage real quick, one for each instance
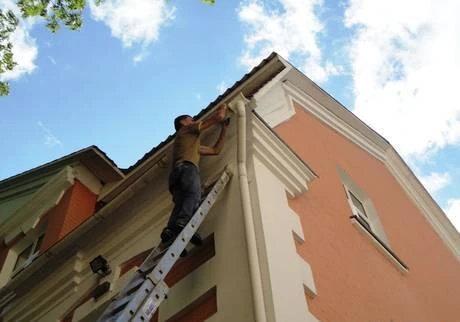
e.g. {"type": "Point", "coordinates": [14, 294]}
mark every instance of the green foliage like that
{"type": "Point", "coordinates": [55, 12]}
{"type": "Point", "coordinates": [8, 23]}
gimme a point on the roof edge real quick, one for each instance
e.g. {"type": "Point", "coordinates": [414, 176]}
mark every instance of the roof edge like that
{"type": "Point", "coordinates": [49, 166]}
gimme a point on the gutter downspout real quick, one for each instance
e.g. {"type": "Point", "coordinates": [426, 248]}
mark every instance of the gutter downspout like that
{"type": "Point", "coordinates": [238, 106]}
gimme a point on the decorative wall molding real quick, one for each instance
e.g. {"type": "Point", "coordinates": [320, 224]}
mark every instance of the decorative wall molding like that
{"type": "Point", "coordinates": [55, 289]}
{"type": "Point", "coordinates": [44, 199]}
{"type": "Point", "coordinates": [307, 277]}
{"type": "Point", "coordinates": [286, 274]}
{"type": "Point", "coordinates": [272, 102]}
{"type": "Point", "coordinates": [296, 225]}
{"type": "Point", "coordinates": [48, 196]}
{"type": "Point", "coordinates": [276, 155]}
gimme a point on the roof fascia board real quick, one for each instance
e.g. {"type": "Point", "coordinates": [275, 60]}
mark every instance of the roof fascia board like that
{"type": "Point", "coordinates": [53, 166]}
{"type": "Point", "coordinates": [110, 163]}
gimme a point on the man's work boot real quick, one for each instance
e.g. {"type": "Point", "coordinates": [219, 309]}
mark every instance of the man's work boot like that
{"type": "Point", "coordinates": [167, 238]}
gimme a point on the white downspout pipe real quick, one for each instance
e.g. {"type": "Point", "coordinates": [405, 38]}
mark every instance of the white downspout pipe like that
{"type": "Point", "coordinates": [238, 105]}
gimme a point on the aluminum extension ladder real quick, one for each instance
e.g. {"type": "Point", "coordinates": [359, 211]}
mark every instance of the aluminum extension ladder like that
{"type": "Point", "coordinates": [142, 295]}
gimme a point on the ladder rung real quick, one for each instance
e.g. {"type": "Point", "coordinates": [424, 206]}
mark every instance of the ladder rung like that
{"type": "Point", "coordinates": [151, 303]}
{"type": "Point", "coordinates": [152, 259]}
{"type": "Point", "coordinates": [125, 307]}
{"type": "Point", "coordinates": [120, 303]}
{"type": "Point", "coordinates": [137, 299]}
{"type": "Point", "coordinates": [136, 280]}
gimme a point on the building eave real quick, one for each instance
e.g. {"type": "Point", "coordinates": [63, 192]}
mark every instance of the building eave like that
{"type": "Point", "coordinates": [91, 157]}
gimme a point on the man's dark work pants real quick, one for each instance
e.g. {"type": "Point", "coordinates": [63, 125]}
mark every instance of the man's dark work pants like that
{"type": "Point", "coordinates": [184, 185]}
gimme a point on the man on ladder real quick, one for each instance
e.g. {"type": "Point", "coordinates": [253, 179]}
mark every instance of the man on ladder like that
{"type": "Point", "coordinates": [139, 299]}
{"type": "Point", "coordinates": [184, 180]}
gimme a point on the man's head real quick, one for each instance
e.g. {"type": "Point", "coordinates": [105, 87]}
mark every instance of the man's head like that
{"type": "Point", "coordinates": [182, 120]}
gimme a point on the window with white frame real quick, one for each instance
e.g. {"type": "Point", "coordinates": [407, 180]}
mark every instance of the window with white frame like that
{"type": "Point", "coordinates": [362, 207]}
{"type": "Point", "coordinates": [358, 209]}
{"type": "Point", "coordinates": [28, 254]}
{"type": "Point", "coordinates": [365, 218]}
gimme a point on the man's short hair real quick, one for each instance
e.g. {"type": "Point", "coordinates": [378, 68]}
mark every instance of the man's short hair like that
{"type": "Point", "coordinates": [177, 123]}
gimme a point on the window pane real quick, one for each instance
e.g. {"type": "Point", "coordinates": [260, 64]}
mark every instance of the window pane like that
{"type": "Point", "coordinates": [357, 203]}
{"type": "Point", "coordinates": [22, 258]}
{"type": "Point", "coordinates": [38, 244]}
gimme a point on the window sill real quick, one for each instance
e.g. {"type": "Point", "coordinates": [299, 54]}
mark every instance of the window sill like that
{"type": "Point", "coordinates": [380, 245]}
{"type": "Point", "coordinates": [24, 265]}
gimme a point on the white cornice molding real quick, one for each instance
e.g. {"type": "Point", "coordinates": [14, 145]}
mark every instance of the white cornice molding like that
{"type": "Point", "coordinates": [51, 291]}
{"type": "Point", "coordinates": [48, 196]}
{"type": "Point", "coordinates": [277, 156]}
{"type": "Point", "coordinates": [271, 100]}
{"type": "Point", "coordinates": [420, 196]}
{"type": "Point", "coordinates": [331, 119]}
{"type": "Point", "coordinates": [44, 199]}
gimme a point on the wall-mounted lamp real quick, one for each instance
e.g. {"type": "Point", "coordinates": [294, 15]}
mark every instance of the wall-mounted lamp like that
{"type": "Point", "coordinates": [100, 266]}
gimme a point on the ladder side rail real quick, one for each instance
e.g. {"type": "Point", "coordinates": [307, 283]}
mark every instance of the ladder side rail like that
{"type": "Point", "coordinates": [168, 260]}
{"type": "Point", "coordinates": [150, 293]}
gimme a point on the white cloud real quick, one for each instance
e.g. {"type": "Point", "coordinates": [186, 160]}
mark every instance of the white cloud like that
{"type": "Point", "coordinates": [50, 139]}
{"type": "Point", "coordinates": [435, 181]}
{"type": "Point", "coordinates": [290, 31]}
{"type": "Point", "coordinates": [405, 60]}
{"type": "Point", "coordinates": [24, 48]}
{"type": "Point", "coordinates": [453, 212]}
{"type": "Point", "coordinates": [140, 57]}
{"type": "Point", "coordinates": [133, 21]}
{"type": "Point", "coordinates": [221, 87]}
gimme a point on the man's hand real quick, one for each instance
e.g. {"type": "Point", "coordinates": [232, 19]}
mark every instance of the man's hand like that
{"type": "Point", "coordinates": [217, 117]}
{"type": "Point", "coordinates": [222, 111]}
{"type": "Point", "coordinates": [217, 148]}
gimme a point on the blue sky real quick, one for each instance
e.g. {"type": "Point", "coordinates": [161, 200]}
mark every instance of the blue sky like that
{"type": "Point", "coordinates": [119, 82]}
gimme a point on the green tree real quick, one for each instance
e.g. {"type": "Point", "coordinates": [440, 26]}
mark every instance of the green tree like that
{"type": "Point", "coordinates": [8, 23]}
{"type": "Point", "coordinates": [56, 13]}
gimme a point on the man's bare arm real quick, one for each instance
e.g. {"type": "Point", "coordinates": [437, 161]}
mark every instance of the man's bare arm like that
{"type": "Point", "coordinates": [215, 150]}
{"type": "Point", "coordinates": [217, 117]}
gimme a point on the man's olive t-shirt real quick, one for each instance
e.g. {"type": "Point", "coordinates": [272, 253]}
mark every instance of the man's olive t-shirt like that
{"type": "Point", "coordinates": [187, 144]}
